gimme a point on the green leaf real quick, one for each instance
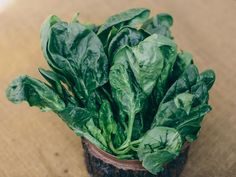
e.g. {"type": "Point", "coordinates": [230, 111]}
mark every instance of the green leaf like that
{"type": "Point", "coordinates": [147, 63]}
{"type": "Point", "coordinates": [130, 17]}
{"type": "Point", "coordinates": [76, 117]}
{"type": "Point", "coordinates": [106, 120]}
{"type": "Point", "coordinates": [208, 77]}
{"type": "Point", "coordinates": [92, 140]}
{"type": "Point", "coordinates": [183, 84]}
{"type": "Point", "coordinates": [174, 112]}
{"type": "Point", "coordinates": [122, 90]}
{"type": "Point", "coordinates": [184, 101]}
{"type": "Point", "coordinates": [189, 128]}
{"type": "Point", "coordinates": [134, 75]}
{"type": "Point", "coordinates": [45, 32]}
{"type": "Point", "coordinates": [145, 60]}
{"type": "Point", "coordinates": [95, 132]}
{"type": "Point", "coordinates": [159, 146]}
{"type": "Point", "coordinates": [55, 82]}
{"type": "Point", "coordinates": [106, 41]}
{"type": "Point", "coordinates": [183, 60]}
{"type": "Point", "coordinates": [138, 127]}
{"type": "Point", "coordinates": [120, 135]}
{"type": "Point", "coordinates": [52, 78]}
{"type": "Point", "coordinates": [169, 51]}
{"type": "Point", "coordinates": [76, 53]}
{"type": "Point", "coordinates": [35, 92]}
{"type": "Point", "coordinates": [127, 94]}
{"type": "Point", "coordinates": [127, 36]}
{"type": "Point", "coordinates": [159, 24]}
{"type": "Point", "coordinates": [155, 161]}
{"type": "Point", "coordinates": [200, 92]}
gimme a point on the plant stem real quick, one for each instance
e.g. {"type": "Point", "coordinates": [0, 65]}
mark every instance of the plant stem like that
{"type": "Point", "coordinates": [133, 143]}
{"type": "Point", "coordinates": [134, 148]}
{"type": "Point", "coordinates": [136, 141]}
{"type": "Point", "coordinates": [122, 152]}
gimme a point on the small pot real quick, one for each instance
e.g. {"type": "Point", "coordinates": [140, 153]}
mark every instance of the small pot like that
{"type": "Point", "coordinates": [102, 164]}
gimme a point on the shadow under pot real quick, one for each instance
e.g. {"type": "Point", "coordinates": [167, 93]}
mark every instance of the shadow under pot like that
{"type": "Point", "coordinates": [102, 164]}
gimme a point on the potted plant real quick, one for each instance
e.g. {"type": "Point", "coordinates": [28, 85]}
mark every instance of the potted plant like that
{"type": "Point", "coordinates": [125, 88]}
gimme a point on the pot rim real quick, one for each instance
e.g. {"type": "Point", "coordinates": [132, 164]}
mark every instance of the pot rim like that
{"type": "Point", "coordinates": [111, 159]}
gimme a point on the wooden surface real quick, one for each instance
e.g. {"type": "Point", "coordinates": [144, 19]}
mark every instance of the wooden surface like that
{"type": "Point", "coordinates": [35, 144]}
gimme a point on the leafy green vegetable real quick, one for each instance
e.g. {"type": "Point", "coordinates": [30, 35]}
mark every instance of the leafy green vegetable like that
{"type": "Point", "coordinates": [159, 146]}
{"type": "Point", "coordinates": [106, 120]}
{"type": "Point", "coordinates": [123, 85]}
{"type": "Point", "coordinates": [208, 77]}
{"type": "Point", "coordinates": [190, 127]}
{"type": "Point", "coordinates": [110, 36]}
{"type": "Point", "coordinates": [145, 60]}
{"type": "Point", "coordinates": [126, 36]}
{"type": "Point", "coordinates": [76, 117]}
{"type": "Point", "coordinates": [183, 60]}
{"type": "Point", "coordinates": [159, 24]}
{"type": "Point", "coordinates": [133, 77]}
{"type": "Point", "coordinates": [130, 17]}
{"type": "Point", "coordinates": [35, 92]}
{"type": "Point", "coordinates": [76, 53]}
{"type": "Point", "coordinates": [169, 51]}
{"type": "Point", "coordinates": [55, 81]}
{"type": "Point", "coordinates": [183, 84]}
{"type": "Point", "coordinates": [124, 95]}
{"type": "Point", "coordinates": [95, 132]}
{"type": "Point", "coordinates": [175, 111]}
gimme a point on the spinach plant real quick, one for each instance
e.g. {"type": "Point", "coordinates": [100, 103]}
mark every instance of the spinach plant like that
{"type": "Point", "coordinates": [123, 85]}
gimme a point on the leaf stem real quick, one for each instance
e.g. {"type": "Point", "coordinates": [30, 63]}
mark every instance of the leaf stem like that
{"type": "Point", "coordinates": [116, 151]}
{"type": "Point", "coordinates": [132, 143]}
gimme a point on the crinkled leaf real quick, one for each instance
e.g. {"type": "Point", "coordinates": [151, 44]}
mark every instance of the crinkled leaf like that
{"type": "Point", "coordinates": [107, 40]}
{"type": "Point", "coordinates": [126, 36]}
{"type": "Point", "coordinates": [183, 84]}
{"type": "Point", "coordinates": [159, 24]}
{"type": "Point", "coordinates": [155, 161]}
{"type": "Point", "coordinates": [76, 53]}
{"type": "Point", "coordinates": [200, 92]}
{"type": "Point", "coordinates": [55, 83]}
{"type": "Point", "coordinates": [208, 77]}
{"type": "Point", "coordinates": [183, 60]}
{"type": "Point", "coordinates": [130, 17]}
{"type": "Point", "coordinates": [174, 112]}
{"type": "Point", "coordinates": [159, 146]}
{"type": "Point", "coordinates": [35, 92]}
{"type": "Point", "coordinates": [122, 90]}
{"type": "Point", "coordinates": [76, 117]}
{"type": "Point", "coordinates": [184, 101]}
{"type": "Point", "coordinates": [190, 127]}
{"type": "Point", "coordinates": [169, 51]}
{"type": "Point", "coordinates": [106, 120]}
{"type": "Point", "coordinates": [92, 139]}
{"type": "Point", "coordinates": [45, 32]}
{"type": "Point", "coordinates": [145, 60]}
{"type": "Point", "coordinates": [95, 132]}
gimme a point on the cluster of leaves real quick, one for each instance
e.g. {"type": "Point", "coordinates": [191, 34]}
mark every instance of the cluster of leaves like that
{"type": "Point", "coordinates": [122, 85]}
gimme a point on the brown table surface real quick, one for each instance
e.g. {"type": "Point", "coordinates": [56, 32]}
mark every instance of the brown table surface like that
{"type": "Point", "coordinates": [35, 144]}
